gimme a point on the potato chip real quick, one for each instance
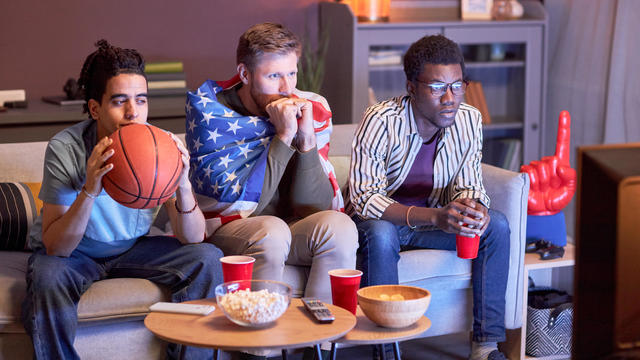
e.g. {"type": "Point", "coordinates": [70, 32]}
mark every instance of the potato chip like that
{"type": "Point", "coordinates": [397, 297]}
{"type": "Point", "coordinates": [384, 297]}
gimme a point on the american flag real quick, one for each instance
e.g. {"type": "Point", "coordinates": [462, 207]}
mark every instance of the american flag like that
{"type": "Point", "coordinates": [229, 153]}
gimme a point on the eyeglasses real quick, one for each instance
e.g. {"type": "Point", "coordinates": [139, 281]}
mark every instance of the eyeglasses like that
{"type": "Point", "coordinates": [439, 88]}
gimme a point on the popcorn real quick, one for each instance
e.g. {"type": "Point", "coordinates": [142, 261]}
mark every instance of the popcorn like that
{"type": "Point", "coordinates": [254, 307]}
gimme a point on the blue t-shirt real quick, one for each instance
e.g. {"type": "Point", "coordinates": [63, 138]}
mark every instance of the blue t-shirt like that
{"type": "Point", "coordinates": [112, 228]}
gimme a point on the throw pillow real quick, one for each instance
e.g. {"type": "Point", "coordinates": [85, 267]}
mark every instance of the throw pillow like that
{"type": "Point", "coordinates": [18, 210]}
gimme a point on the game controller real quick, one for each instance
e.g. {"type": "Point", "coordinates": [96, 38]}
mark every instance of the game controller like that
{"type": "Point", "coordinates": [545, 249]}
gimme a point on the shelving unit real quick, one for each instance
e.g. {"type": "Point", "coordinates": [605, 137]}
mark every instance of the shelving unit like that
{"type": "Point", "coordinates": [513, 86]}
{"type": "Point", "coordinates": [558, 268]}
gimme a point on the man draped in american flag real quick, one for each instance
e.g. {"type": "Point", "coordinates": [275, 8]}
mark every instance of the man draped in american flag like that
{"type": "Point", "coordinates": [259, 151]}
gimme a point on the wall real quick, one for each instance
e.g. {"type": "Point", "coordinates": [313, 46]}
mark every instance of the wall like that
{"type": "Point", "coordinates": [43, 43]}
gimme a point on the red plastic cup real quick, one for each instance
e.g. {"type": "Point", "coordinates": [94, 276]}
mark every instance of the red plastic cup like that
{"type": "Point", "coordinates": [237, 267]}
{"type": "Point", "coordinates": [344, 286]}
{"type": "Point", "coordinates": [467, 246]}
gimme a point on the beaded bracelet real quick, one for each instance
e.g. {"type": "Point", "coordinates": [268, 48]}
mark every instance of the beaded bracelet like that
{"type": "Point", "coordinates": [407, 217]}
{"type": "Point", "coordinates": [90, 195]}
{"type": "Point", "coordinates": [188, 211]}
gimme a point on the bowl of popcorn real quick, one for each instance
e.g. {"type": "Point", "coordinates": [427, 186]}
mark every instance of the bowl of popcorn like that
{"type": "Point", "coordinates": [253, 303]}
{"type": "Point", "coordinates": [393, 306]}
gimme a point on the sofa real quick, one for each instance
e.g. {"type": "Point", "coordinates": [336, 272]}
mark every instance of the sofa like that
{"type": "Point", "coordinates": [111, 312]}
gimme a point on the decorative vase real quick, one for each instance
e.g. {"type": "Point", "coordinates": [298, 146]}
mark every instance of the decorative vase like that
{"type": "Point", "coordinates": [517, 10]}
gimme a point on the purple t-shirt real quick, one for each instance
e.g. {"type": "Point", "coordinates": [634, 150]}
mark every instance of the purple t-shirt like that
{"type": "Point", "coordinates": [419, 182]}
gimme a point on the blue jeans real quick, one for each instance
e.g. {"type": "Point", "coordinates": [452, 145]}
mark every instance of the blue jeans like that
{"type": "Point", "coordinates": [55, 284]}
{"type": "Point", "coordinates": [378, 256]}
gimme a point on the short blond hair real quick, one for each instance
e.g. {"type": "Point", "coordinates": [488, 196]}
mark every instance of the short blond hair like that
{"type": "Point", "coordinates": [265, 38]}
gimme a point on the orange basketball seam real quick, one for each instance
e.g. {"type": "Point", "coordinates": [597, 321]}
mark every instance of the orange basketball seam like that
{"type": "Point", "coordinates": [131, 167]}
{"type": "Point", "coordinates": [155, 170]}
{"type": "Point", "coordinates": [173, 178]}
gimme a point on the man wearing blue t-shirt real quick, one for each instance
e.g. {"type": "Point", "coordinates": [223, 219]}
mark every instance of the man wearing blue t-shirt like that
{"type": "Point", "coordinates": [83, 235]}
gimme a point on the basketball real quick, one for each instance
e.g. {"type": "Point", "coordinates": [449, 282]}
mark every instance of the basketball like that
{"type": "Point", "coordinates": [146, 166]}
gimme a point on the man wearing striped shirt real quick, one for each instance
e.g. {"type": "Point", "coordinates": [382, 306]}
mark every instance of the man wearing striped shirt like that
{"type": "Point", "coordinates": [416, 181]}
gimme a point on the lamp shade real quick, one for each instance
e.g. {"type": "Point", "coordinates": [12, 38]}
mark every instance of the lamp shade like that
{"type": "Point", "coordinates": [371, 10]}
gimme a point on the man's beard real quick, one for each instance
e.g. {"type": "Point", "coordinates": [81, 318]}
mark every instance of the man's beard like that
{"type": "Point", "coordinates": [262, 100]}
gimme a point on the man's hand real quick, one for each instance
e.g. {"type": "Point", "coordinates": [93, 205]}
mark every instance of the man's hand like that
{"type": "Point", "coordinates": [553, 181]}
{"type": "Point", "coordinates": [466, 217]}
{"type": "Point", "coordinates": [183, 180]}
{"type": "Point", "coordinates": [96, 167]}
{"type": "Point", "coordinates": [283, 114]}
{"type": "Point", "coordinates": [305, 137]}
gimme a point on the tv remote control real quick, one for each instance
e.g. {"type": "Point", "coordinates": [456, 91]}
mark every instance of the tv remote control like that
{"type": "Point", "coordinates": [180, 308]}
{"type": "Point", "coordinates": [318, 310]}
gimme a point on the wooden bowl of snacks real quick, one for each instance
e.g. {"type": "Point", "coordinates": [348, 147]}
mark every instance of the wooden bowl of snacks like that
{"type": "Point", "coordinates": [393, 306]}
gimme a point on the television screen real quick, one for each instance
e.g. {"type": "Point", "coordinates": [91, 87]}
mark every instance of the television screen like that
{"type": "Point", "coordinates": [607, 270]}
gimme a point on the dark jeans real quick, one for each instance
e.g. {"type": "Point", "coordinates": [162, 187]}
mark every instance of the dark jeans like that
{"type": "Point", "coordinates": [55, 284]}
{"type": "Point", "coordinates": [378, 256]}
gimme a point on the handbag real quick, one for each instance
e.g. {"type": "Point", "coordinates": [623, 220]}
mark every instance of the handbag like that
{"type": "Point", "coordinates": [549, 322]}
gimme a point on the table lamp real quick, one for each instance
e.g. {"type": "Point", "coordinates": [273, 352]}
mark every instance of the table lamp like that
{"type": "Point", "coordinates": [371, 10]}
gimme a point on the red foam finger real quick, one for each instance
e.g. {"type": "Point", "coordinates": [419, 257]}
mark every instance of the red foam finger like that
{"type": "Point", "coordinates": [543, 174]}
{"type": "Point", "coordinates": [567, 175]}
{"type": "Point", "coordinates": [564, 138]}
{"type": "Point", "coordinates": [552, 165]}
{"type": "Point", "coordinates": [536, 204]}
{"type": "Point", "coordinates": [558, 199]}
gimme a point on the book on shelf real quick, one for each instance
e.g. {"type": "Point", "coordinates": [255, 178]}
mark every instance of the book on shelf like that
{"type": "Point", "coordinates": [168, 84]}
{"type": "Point", "coordinates": [166, 76]}
{"type": "Point", "coordinates": [168, 92]}
{"type": "Point", "coordinates": [164, 67]}
{"type": "Point", "coordinates": [516, 156]}
{"type": "Point", "coordinates": [12, 95]}
{"type": "Point", "coordinates": [474, 96]}
{"type": "Point", "coordinates": [385, 57]}
{"type": "Point", "coordinates": [504, 153]}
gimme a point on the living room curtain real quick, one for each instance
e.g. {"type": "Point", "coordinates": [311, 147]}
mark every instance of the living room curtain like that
{"type": "Point", "coordinates": [594, 70]}
{"type": "Point", "coordinates": [594, 73]}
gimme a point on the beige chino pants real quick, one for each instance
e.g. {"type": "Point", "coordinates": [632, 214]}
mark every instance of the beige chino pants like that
{"type": "Point", "coordinates": [325, 240]}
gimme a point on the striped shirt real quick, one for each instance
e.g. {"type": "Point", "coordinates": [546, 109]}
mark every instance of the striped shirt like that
{"type": "Point", "coordinates": [386, 144]}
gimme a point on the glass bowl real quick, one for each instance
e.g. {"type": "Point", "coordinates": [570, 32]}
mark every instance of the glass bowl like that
{"type": "Point", "coordinates": [253, 303]}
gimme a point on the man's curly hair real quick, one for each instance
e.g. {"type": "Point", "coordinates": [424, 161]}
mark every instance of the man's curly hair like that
{"type": "Point", "coordinates": [434, 49]}
{"type": "Point", "coordinates": [103, 64]}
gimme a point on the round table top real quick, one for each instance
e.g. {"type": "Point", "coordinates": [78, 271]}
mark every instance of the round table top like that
{"type": "Point", "coordinates": [367, 332]}
{"type": "Point", "coordinates": [295, 328]}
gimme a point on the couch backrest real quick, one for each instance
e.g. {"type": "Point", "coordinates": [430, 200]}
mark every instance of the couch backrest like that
{"type": "Point", "coordinates": [23, 162]}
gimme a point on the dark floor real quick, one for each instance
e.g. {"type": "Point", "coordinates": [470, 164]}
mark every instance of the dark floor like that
{"type": "Point", "coordinates": [445, 347]}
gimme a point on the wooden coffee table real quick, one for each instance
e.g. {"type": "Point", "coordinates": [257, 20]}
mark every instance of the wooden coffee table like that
{"type": "Point", "coordinates": [294, 329]}
{"type": "Point", "coordinates": [366, 332]}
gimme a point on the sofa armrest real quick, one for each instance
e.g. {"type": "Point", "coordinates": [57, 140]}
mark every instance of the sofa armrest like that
{"type": "Point", "coordinates": [509, 193]}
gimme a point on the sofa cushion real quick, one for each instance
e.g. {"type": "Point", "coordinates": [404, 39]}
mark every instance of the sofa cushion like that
{"type": "Point", "coordinates": [106, 300]}
{"type": "Point", "coordinates": [431, 269]}
{"type": "Point", "coordinates": [18, 210]}
{"type": "Point", "coordinates": [341, 165]}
